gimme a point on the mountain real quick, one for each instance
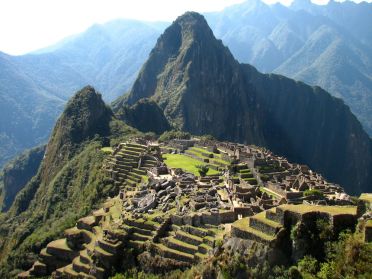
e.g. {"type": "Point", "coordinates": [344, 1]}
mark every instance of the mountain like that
{"type": "Point", "coordinates": [17, 173]}
{"type": "Point", "coordinates": [326, 45]}
{"type": "Point", "coordinates": [202, 89]}
{"type": "Point", "coordinates": [145, 115]}
{"type": "Point", "coordinates": [35, 87]}
{"type": "Point", "coordinates": [69, 183]}
{"type": "Point", "coordinates": [26, 111]}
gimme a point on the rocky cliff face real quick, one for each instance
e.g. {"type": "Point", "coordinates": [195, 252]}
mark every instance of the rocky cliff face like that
{"type": "Point", "coordinates": [145, 115]}
{"type": "Point", "coordinates": [202, 89]}
{"type": "Point", "coordinates": [17, 173]}
{"type": "Point", "coordinates": [196, 81]}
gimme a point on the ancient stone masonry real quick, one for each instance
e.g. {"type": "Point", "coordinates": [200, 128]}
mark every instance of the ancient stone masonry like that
{"type": "Point", "coordinates": [179, 216]}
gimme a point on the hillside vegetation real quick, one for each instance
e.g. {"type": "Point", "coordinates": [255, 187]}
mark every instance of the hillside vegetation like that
{"type": "Point", "coordinates": [70, 181]}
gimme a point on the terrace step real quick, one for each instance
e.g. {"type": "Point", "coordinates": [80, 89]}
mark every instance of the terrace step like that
{"type": "Point", "coordinates": [136, 145]}
{"type": "Point", "coordinates": [174, 254]}
{"type": "Point", "coordinates": [200, 232]}
{"type": "Point", "coordinates": [99, 252]}
{"type": "Point", "coordinates": [69, 271]}
{"type": "Point", "coordinates": [79, 266]}
{"type": "Point", "coordinates": [142, 231]}
{"type": "Point", "coordinates": [39, 269]}
{"type": "Point", "coordinates": [141, 224]}
{"type": "Point", "coordinates": [209, 240]}
{"type": "Point", "coordinates": [242, 229]}
{"type": "Point", "coordinates": [261, 223]}
{"type": "Point", "coordinates": [204, 248]}
{"type": "Point", "coordinates": [188, 238]}
{"type": "Point", "coordinates": [60, 249]}
{"type": "Point", "coordinates": [199, 257]}
{"type": "Point", "coordinates": [148, 165]}
{"type": "Point", "coordinates": [110, 247]}
{"type": "Point", "coordinates": [180, 246]}
{"type": "Point", "coordinates": [272, 214]}
{"type": "Point", "coordinates": [84, 257]}
{"type": "Point", "coordinates": [129, 156]}
{"type": "Point", "coordinates": [131, 151]}
{"type": "Point", "coordinates": [141, 237]}
{"type": "Point", "coordinates": [140, 172]}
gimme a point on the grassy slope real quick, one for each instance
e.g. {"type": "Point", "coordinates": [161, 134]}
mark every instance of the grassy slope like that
{"type": "Point", "coordinates": [186, 163]}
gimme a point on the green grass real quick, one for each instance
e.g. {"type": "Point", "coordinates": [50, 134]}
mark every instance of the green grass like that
{"type": "Point", "coordinates": [199, 150]}
{"type": "Point", "coordinates": [186, 163]}
{"type": "Point", "coordinates": [107, 149]}
{"type": "Point", "coordinates": [366, 197]}
{"type": "Point", "coordinates": [271, 194]}
{"type": "Point", "coordinates": [333, 210]}
{"type": "Point", "coordinates": [243, 224]}
{"type": "Point", "coordinates": [262, 217]}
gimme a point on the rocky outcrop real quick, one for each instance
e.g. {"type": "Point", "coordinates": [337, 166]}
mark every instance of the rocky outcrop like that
{"type": "Point", "coordinates": [202, 89]}
{"type": "Point", "coordinates": [17, 173]}
{"type": "Point", "coordinates": [145, 116]}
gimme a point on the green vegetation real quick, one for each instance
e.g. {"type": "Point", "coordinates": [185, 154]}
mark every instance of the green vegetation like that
{"type": "Point", "coordinates": [366, 197]}
{"type": "Point", "coordinates": [270, 193]}
{"type": "Point", "coordinates": [70, 182]}
{"type": "Point", "coordinates": [349, 257]}
{"type": "Point", "coordinates": [17, 173]}
{"type": "Point", "coordinates": [186, 163]}
{"type": "Point", "coordinates": [107, 150]}
{"type": "Point", "coordinates": [174, 134]}
{"type": "Point", "coordinates": [314, 192]}
{"type": "Point", "coordinates": [202, 169]}
{"type": "Point", "coordinates": [333, 210]}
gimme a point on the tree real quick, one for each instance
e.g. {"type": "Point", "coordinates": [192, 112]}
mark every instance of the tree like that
{"type": "Point", "coordinates": [203, 170]}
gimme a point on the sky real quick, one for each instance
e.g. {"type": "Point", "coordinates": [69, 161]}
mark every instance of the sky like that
{"type": "Point", "coordinates": [28, 25]}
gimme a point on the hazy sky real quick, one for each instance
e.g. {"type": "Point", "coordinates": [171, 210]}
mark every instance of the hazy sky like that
{"type": "Point", "coordinates": [27, 25]}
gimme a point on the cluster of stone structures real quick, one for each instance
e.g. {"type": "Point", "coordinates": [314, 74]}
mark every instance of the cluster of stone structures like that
{"type": "Point", "coordinates": [284, 179]}
{"type": "Point", "coordinates": [180, 217]}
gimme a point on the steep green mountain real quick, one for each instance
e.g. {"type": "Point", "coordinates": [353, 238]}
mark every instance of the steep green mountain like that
{"type": "Point", "coordinates": [202, 89]}
{"type": "Point", "coordinates": [69, 183]}
{"type": "Point", "coordinates": [326, 45]}
{"type": "Point", "coordinates": [17, 173]}
{"type": "Point", "coordinates": [34, 87]}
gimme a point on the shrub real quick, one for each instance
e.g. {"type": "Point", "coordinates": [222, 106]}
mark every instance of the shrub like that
{"type": "Point", "coordinates": [203, 170]}
{"type": "Point", "coordinates": [174, 134]}
{"type": "Point", "coordinates": [314, 192]}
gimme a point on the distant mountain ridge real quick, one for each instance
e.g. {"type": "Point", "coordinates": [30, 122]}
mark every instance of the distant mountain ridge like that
{"type": "Point", "coordinates": [202, 89]}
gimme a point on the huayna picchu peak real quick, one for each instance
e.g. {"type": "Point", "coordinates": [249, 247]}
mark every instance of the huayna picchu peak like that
{"type": "Point", "coordinates": [207, 168]}
{"type": "Point", "coordinates": [202, 89]}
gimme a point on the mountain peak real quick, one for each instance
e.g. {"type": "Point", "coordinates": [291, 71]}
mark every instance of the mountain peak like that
{"type": "Point", "coordinates": [85, 117]}
{"type": "Point", "coordinates": [185, 43]}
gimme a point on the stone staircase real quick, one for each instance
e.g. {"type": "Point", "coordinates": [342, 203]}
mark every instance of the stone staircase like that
{"type": "Point", "coordinates": [140, 231]}
{"type": "Point", "coordinates": [129, 165]}
{"type": "Point", "coordinates": [85, 252]}
{"type": "Point", "coordinates": [246, 175]}
{"type": "Point", "coordinates": [186, 243]}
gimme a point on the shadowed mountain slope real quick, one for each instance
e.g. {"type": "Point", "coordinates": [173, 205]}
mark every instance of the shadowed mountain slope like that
{"type": "Point", "coordinates": [202, 89]}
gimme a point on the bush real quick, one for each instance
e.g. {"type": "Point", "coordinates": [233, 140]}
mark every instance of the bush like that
{"type": "Point", "coordinates": [308, 264]}
{"type": "Point", "coordinates": [203, 170]}
{"type": "Point", "coordinates": [174, 134]}
{"type": "Point", "coordinates": [314, 192]}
